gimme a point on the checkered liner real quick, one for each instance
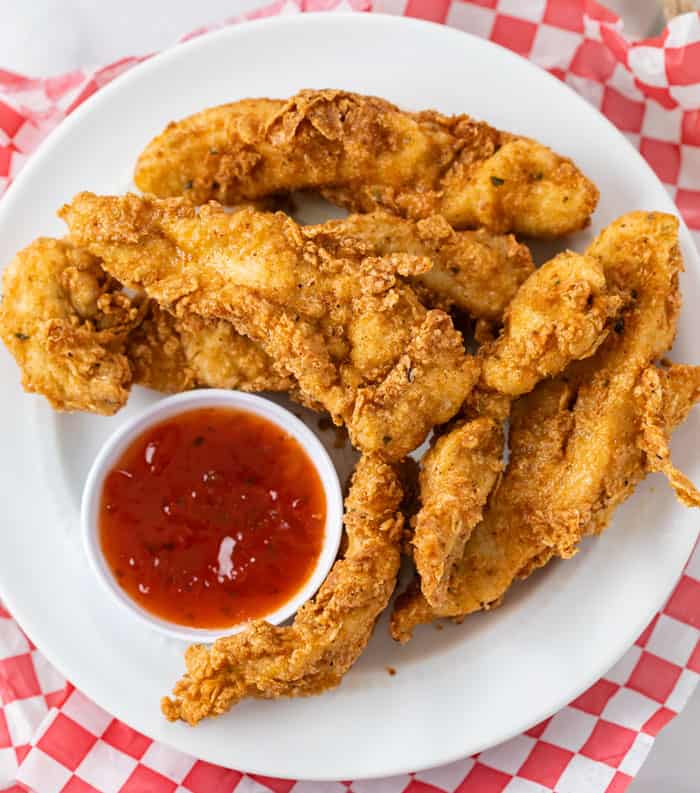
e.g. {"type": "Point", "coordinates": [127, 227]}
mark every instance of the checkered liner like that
{"type": "Point", "coordinates": [53, 739]}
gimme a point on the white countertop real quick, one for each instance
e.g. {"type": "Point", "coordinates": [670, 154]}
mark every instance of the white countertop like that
{"type": "Point", "coordinates": [42, 37]}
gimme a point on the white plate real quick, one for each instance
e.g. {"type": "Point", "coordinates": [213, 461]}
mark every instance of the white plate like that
{"type": "Point", "coordinates": [456, 691]}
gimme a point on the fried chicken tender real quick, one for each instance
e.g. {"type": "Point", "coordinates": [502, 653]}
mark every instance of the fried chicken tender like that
{"type": "Point", "coordinates": [82, 343]}
{"type": "Point", "coordinates": [172, 354]}
{"type": "Point", "coordinates": [579, 444]}
{"type": "Point", "coordinates": [364, 153]}
{"type": "Point", "coordinates": [478, 272]}
{"type": "Point", "coordinates": [603, 461]}
{"type": "Point", "coordinates": [508, 544]}
{"type": "Point", "coordinates": [457, 475]}
{"type": "Point", "coordinates": [475, 271]}
{"type": "Point", "coordinates": [562, 313]}
{"type": "Point", "coordinates": [501, 545]}
{"type": "Point", "coordinates": [66, 323]}
{"type": "Point", "coordinates": [329, 632]}
{"type": "Point", "coordinates": [351, 332]}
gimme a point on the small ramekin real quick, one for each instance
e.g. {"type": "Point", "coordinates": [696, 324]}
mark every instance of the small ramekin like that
{"type": "Point", "coordinates": [182, 403]}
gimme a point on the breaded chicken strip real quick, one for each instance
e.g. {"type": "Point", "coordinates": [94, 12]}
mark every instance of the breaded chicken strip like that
{"type": "Point", "coordinates": [562, 313]}
{"type": "Point", "coordinates": [352, 333]}
{"type": "Point", "coordinates": [509, 543]}
{"type": "Point", "coordinates": [475, 271]}
{"type": "Point", "coordinates": [329, 632]}
{"type": "Point", "coordinates": [66, 324]}
{"type": "Point", "coordinates": [639, 253]}
{"type": "Point", "coordinates": [172, 354]}
{"type": "Point", "coordinates": [579, 444]}
{"type": "Point", "coordinates": [82, 343]}
{"type": "Point", "coordinates": [364, 153]}
{"type": "Point", "coordinates": [501, 545]}
{"type": "Point", "coordinates": [457, 475]}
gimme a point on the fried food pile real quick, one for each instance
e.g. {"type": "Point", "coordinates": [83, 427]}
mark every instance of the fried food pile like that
{"type": "Point", "coordinates": [420, 317]}
{"type": "Point", "coordinates": [580, 442]}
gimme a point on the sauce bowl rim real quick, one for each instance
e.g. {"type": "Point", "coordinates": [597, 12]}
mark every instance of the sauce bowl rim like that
{"type": "Point", "coordinates": [175, 405]}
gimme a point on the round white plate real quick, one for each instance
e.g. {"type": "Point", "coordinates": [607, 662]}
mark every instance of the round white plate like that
{"type": "Point", "coordinates": [455, 691]}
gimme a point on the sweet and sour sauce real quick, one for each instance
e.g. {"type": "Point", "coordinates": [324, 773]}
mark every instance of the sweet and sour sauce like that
{"type": "Point", "coordinates": [212, 517]}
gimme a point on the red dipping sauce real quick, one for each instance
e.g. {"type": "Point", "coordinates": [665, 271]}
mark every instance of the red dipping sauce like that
{"type": "Point", "coordinates": [212, 517]}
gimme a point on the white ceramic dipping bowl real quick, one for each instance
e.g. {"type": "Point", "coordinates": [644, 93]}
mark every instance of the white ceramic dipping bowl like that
{"type": "Point", "coordinates": [183, 403]}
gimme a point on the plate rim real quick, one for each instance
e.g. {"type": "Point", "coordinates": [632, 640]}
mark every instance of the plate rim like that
{"type": "Point", "coordinates": [159, 60]}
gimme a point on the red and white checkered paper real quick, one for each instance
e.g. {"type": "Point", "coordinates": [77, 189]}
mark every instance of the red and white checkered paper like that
{"type": "Point", "coordinates": [52, 738]}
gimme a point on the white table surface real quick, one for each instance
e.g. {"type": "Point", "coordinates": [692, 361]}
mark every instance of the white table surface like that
{"type": "Point", "coordinates": [41, 37]}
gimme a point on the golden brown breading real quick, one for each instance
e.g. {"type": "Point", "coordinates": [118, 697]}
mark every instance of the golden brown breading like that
{"type": "Point", "coordinates": [82, 343]}
{"type": "Point", "coordinates": [352, 333]}
{"type": "Point", "coordinates": [562, 313]}
{"type": "Point", "coordinates": [501, 545]}
{"type": "Point", "coordinates": [579, 444]}
{"type": "Point", "coordinates": [654, 392]}
{"type": "Point", "coordinates": [222, 358]}
{"type": "Point", "coordinates": [66, 324]}
{"type": "Point", "coordinates": [428, 383]}
{"type": "Point", "coordinates": [328, 633]}
{"type": "Point", "coordinates": [508, 544]}
{"type": "Point", "coordinates": [157, 357]}
{"type": "Point", "coordinates": [172, 354]}
{"type": "Point", "coordinates": [639, 253]}
{"type": "Point", "coordinates": [457, 476]}
{"type": "Point", "coordinates": [475, 271]}
{"type": "Point", "coordinates": [364, 153]}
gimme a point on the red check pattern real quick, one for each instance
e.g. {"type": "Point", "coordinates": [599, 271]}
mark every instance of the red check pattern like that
{"type": "Point", "coordinates": [54, 740]}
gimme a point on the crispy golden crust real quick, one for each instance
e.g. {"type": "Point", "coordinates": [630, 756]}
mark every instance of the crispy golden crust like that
{"type": "Point", "coordinates": [328, 633]}
{"type": "Point", "coordinates": [365, 154]}
{"type": "Point", "coordinates": [655, 390]}
{"type": "Point", "coordinates": [172, 354]}
{"type": "Point", "coordinates": [524, 187]}
{"type": "Point", "coordinates": [639, 253]}
{"type": "Point", "coordinates": [223, 358]}
{"type": "Point", "coordinates": [562, 313]}
{"type": "Point", "coordinates": [82, 343]}
{"type": "Point", "coordinates": [475, 271]}
{"type": "Point", "coordinates": [457, 476]}
{"type": "Point", "coordinates": [426, 386]}
{"type": "Point", "coordinates": [156, 353]}
{"type": "Point", "coordinates": [501, 545]}
{"type": "Point", "coordinates": [579, 444]}
{"type": "Point", "coordinates": [66, 324]}
{"type": "Point", "coordinates": [505, 545]}
{"type": "Point", "coordinates": [355, 337]}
